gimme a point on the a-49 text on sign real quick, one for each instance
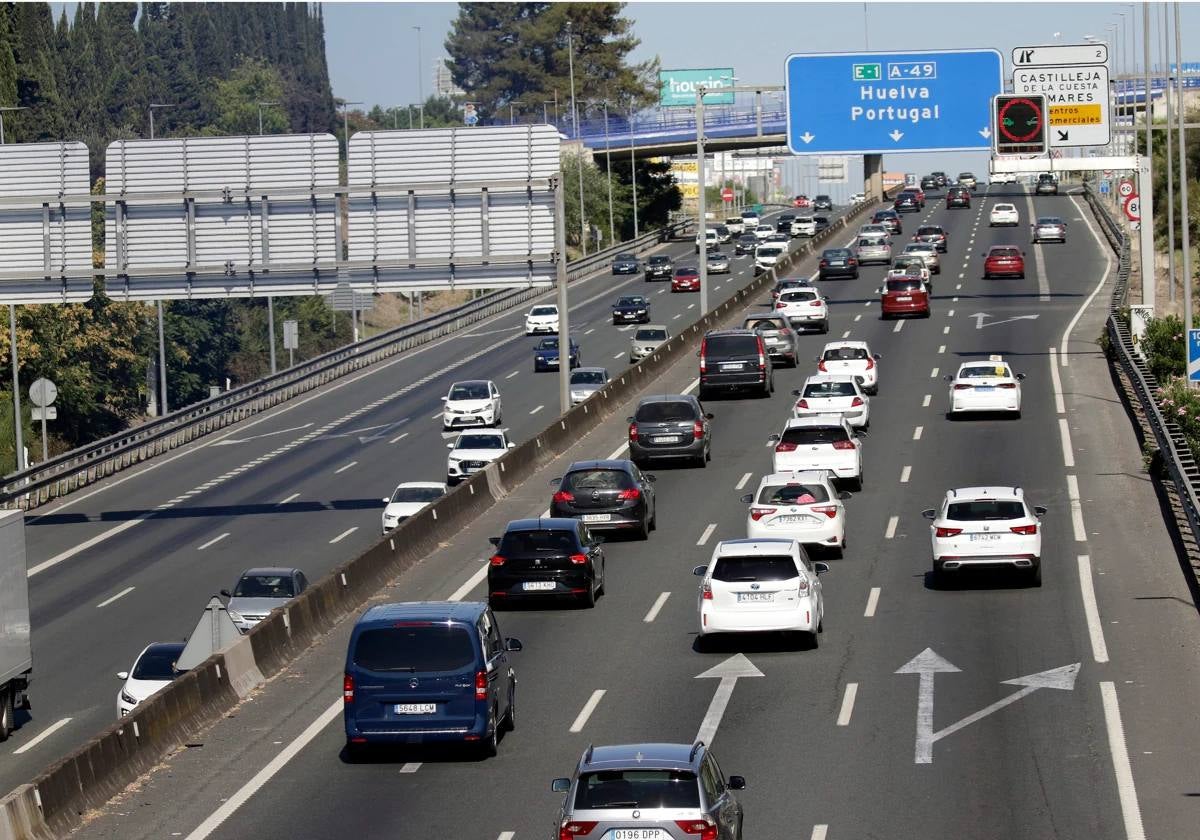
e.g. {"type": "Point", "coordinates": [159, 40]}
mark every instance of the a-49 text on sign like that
{"type": "Point", "coordinates": [879, 102]}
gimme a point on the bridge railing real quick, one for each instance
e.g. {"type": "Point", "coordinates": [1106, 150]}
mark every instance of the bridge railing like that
{"type": "Point", "coordinates": [674, 119]}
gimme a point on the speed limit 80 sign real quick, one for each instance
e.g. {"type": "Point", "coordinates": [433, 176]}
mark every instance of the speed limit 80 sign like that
{"type": "Point", "coordinates": [1019, 124]}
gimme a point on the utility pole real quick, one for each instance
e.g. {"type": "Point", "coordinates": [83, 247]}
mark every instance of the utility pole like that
{"type": "Point", "coordinates": [271, 300]}
{"type": "Point", "coordinates": [1185, 233]}
{"type": "Point", "coordinates": [19, 443]}
{"type": "Point", "coordinates": [633, 170]}
{"type": "Point", "coordinates": [420, 72]}
{"type": "Point", "coordinates": [1166, 52]}
{"type": "Point", "coordinates": [578, 139]}
{"type": "Point", "coordinates": [1146, 181]}
{"type": "Point", "coordinates": [158, 306]}
{"type": "Point", "coordinates": [612, 235]}
{"type": "Point", "coordinates": [701, 222]}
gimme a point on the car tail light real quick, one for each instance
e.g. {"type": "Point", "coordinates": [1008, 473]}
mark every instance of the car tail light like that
{"type": "Point", "coordinates": [947, 532]}
{"type": "Point", "coordinates": [1024, 530]}
{"type": "Point", "coordinates": [816, 302]}
{"type": "Point", "coordinates": [703, 343]}
{"type": "Point", "coordinates": [706, 591]}
{"type": "Point", "coordinates": [824, 263]}
{"type": "Point", "coordinates": [575, 828]}
{"type": "Point", "coordinates": [762, 355]}
{"type": "Point", "coordinates": [348, 689]}
{"type": "Point", "coordinates": [962, 386]}
{"type": "Point", "coordinates": [698, 430]}
{"type": "Point", "coordinates": [870, 363]}
{"type": "Point", "coordinates": [633, 429]}
{"type": "Point", "coordinates": [780, 305]}
{"type": "Point", "coordinates": [801, 403]}
{"type": "Point", "coordinates": [828, 510]}
{"type": "Point", "coordinates": [784, 446]}
{"type": "Point", "coordinates": [481, 686]}
{"type": "Point", "coordinates": [578, 559]}
{"type": "Point", "coordinates": [757, 513]}
{"type": "Point", "coordinates": [498, 560]}
{"type": "Point", "coordinates": [821, 366]}
{"type": "Point", "coordinates": [843, 444]}
{"type": "Point", "coordinates": [630, 495]}
{"type": "Point", "coordinates": [856, 402]}
{"type": "Point", "coordinates": [802, 587]}
{"type": "Point", "coordinates": [702, 828]}
{"type": "Point", "coordinates": [852, 261]}
{"type": "Point", "coordinates": [1007, 385]}
{"type": "Point", "coordinates": [564, 496]}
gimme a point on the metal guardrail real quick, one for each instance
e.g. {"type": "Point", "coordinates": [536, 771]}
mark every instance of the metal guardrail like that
{"type": "Point", "coordinates": [1177, 456]}
{"type": "Point", "coordinates": [92, 462]}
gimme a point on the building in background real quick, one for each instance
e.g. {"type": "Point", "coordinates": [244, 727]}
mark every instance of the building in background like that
{"type": "Point", "coordinates": [443, 82]}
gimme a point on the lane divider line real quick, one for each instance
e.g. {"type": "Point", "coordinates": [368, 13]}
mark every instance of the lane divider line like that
{"type": "Point", "coordinates": [872, 603]}
{"type": "Point", "coordinates": [120, 594]}
{"type": "Point", "coordinates": [925, 402]}
{"type": "Point", "coordinates": [712, 526]}
{"type": "Point", "coordinates": [410, 767]}
{"type": "Point", "coordinates": [213, 541]}
{"type": "Point", "coordinates": [1076, 509]}
{"type": "Point", "coordinates": [656, 607]}
{"type": "Point", "coordinates": [586, 712]}
{"type": "Point", "coordinates": [343, 535]}
{"type": "Point", "coordinates": [1064, 432]}
{"type": "Point", "coordinates": [42, 736]}
{"type": "Point", "coordinates": [917, 432]}
{"type": "Point", "coordinates": [741, 485]}
{"type": "Point", "coordinates": [905, 473]}
{"type": "Point", "coordinates": [1091, 609]}
{"type": "Point", "coordinates": [1056, 381]}
{"type": "Point", "coordinates": [843, 718]}
{"type": "Point", "coordinates": [891, 527]}
{"type": "Point", "coordinates": [1126, 790]}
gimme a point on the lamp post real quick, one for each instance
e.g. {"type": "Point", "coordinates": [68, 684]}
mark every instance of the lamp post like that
{"type": "Point", "coordinates": [578, 139]}
{"type": "Point", "coordinates": [1166, 54]}
{"type": "Point", "coordinates": [612, 235]}
{"type": "Point", "coordinates": [158, 305]}
{"type": "Point", "coordinates": [270, 300]}
{"type": "Point", "coordinates": [262, 105]}
{"type": "Point", "coordinates": [420, 84]}
{"type": "Point", "coordinates": [1185, 233]}
{"type": "Point", "coordinates": [633, 170]}
{"type": "Point", "coordinates": [19, 443]}
{"type": "Point", "coordinates": [346, 129]}
{"type": "Point", "coordinates": [153, 106]}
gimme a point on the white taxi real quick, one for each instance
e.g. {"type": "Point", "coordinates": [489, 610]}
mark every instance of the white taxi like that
{"type": "Point", "coordinates": [1003, 214]}
{"type": "Point", "coordinates": [834, 393]}
{"type": "Point", "coordinates": [852, 357]}
{"type": "Point", "coordinates": [986, 527]}
{"type": "Point", "coordinates": [803, 506]}
{"type": "Point", "coordinates": [985, 386]}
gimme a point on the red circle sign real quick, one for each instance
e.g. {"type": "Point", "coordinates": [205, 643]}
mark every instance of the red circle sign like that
{"type": "Point", "coordinates": [1004, 123]}
{"type": "Point", "coordinates": [1133, 208]}
{"type": "Point", "coordinates": [727, 194]}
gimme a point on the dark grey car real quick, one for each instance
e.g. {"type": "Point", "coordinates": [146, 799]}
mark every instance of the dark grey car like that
{"type": "Point", "coordinates": [670, 426]}
{"type": "Point", "coordinates": [782, 341]}
{"type": "Point", "coordinates": [626, 264]}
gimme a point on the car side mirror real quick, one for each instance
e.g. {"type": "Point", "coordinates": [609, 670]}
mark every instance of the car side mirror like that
{"type": "Point", "coordinates": [494, 541]}
{"type": "Point", "coordinates": [449, 445]}
{"type": "Point", "coordinates": [699, 571]}
{"type": "Point", "coordinates": [737, 783]}
{"type": "Point", "coordinates": [773, 439]}
{"type": "Point", "coordinates": [877, 357]}
{"type": "Point", "coordinates": [1039, 511]}
{"type": "Point", "coordinates": [512, 445]}
{"type": "Point", "coordinates": [1021, 377]}
{"type": "Point", "coordinates": [385, 500]}
{"type": "Point", "coordinates": [929, 514]}
{"type": "Point", "coordinates": [796, 392]}
{"type": "Point", "coordinates": [747, 499]}
{"type": "Point", "coordinates": [445, 399]}
{"type": "Point", "coordinates": [708, 416]}
{"type": "Point", "coordinates": [697, 352]}
{"type": "Point", "coordinates": [820, 567]}
{"type": "Point", "coordinates": [1022, 253]}
{"type": "Point", "coordinates": [881, 291]}
{"type": "Point", "coordinates": [628, 419]}
{"type": "Point", "coordinates": [554, 481]}
{"type": "Point", "coordinates": [861, 433]}
{"type": "Point", "coordinates": [844, 495]}
{"type": "Point", "coordinates": [560, 785]}
{"type": "Point", "coordinates": [122, 675]}
{"type": "Point", "coordinates": [225, 592]}
{"type": "Point", "coordinates": [513, 645]}
{"type": "Point", "coordinates": [651, 477]}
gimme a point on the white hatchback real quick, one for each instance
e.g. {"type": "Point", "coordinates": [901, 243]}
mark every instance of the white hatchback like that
{"type": "Point", "coordinates": [759, 586]}
{"type": "Point", "coordinates": [804, 307]}
{"type": "Point", "coordinates": [475, 402]}
{"type": "Point", "coordinates": [1003, 214]}
{"type": "Point", "coordinates": [409, 499]}
{"type": "Point", "coordinates": [853, 357]}
{"type": "Point", "coordinates": [763, 231]}
{"type": "Point", "coordinates": [542, 319]}
{"type": "Point", "coordinates": [153, 669]}
{"type": "Point", "coordinates": [472, 452]}
{"type": "Point", "coordinates": [985, 386]}
{"type": "Point", "coordinates": [834, 393]}
{"type": "Point", "coordinates": [819, 443]}
{"type": "Point", "coordinates": [986, 527]}
{"type": "Point", "coordinates": [802, 506]}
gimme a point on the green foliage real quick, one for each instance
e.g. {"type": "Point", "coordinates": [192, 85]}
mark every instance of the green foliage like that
{"type": "Point", "coordinates": [1180, 403]}
{"type": "Point", "coordinates": [1163, 347]}
{"type": "Point", "coordinates": [236, 99]}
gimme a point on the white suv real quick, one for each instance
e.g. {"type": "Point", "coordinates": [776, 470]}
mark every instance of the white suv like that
{"type": "Point", "coordinates": [472, 452]}
{"type": "Point", "coordinates": [986, 527]}
{"type": "Point", "coordinates": [543, 318]}
{"type": "Point", "coordinates": [761, 585]}
{"type": "Point", "coordinates": [825, 442]}
{"type": "Point", "coordinates": [475, 402]}
{"type": "Point", "coordinates": [768, 256]}
{"type": "Point", "coordinates": [804, 307]}
{"type": "Point", "coordinates": [802, 506]}
{"type": "Point", "coordinates": [804, 226]}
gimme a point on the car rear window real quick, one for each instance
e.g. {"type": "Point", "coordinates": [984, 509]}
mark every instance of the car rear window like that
{"type": "Point", "coordinates": [844, 354]}
{"type": "Point", "coordinates": [793, 494]}
{"type": "Point", "coordinates": [544, 541]}
{"type": "Point", "coordinates": [1050, 220]}
{"type": "Point", "coordinates": [589, 480]}
{"type": "Point", "coordinates": [937, 231]}
{"type": "Point", "coordinates": [904, 285]}
{"type": "Point", "coordinates": [764, 324]}
{"type": "Point", "coordinates": [415, 647]}
{"type": "Point", "coordinates": [729, 346]}
{"type": "Point", "coordinates": [797, 296]}
{"type": "Point", "coordinates": [871, 243]}
{"type": "Point", "coordinates": [650, 335]}
{"type": "Point", "coordinates": [808, 435]}
{"type": "Point", "coordinates": [643, 789]}
{"type": "Point", "coordinates": [985, 510]}
{"type": "Point", "coordinates": [1005, 208]}
{"type": "Point", "coordinates": [758, 568]}
{"type": "Point", "coordinates": [829, 389]}
{"type": "Point", "coordinates": [1004, 252]}
{"type": "Point", "coordinates": [626, 257]}
{"type": "Point", "coordinates": [664, 411]}
{"type": "Point", "coordinates": [836, 254]}
{"type": "Point", "coordinates": [983, 371]}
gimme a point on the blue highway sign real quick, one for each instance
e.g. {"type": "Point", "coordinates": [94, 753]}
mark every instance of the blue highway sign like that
{"type": "Point", "coordinates": [1193, 371]}
{"type": "Point", "coordinates": [874, 103]}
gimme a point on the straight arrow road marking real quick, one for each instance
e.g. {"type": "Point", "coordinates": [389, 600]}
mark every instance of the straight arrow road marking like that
{"type": "Point", "coordinates": [728, 672]}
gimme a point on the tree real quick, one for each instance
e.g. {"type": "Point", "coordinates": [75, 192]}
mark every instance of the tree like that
{"type": "Point", "coordinates": [236, 96]}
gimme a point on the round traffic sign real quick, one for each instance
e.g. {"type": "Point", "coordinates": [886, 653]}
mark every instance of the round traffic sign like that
{"type": "Point", "coordinates": [1126, 189]}
{"type": "Point", "coordinates": [1108, 173]}
{"type": "Point", "coordinates": [1020, 120]}
{"type": "Point", "coordinates": [42, 392]}
{"type": "Point", "coordinates": [1133, 208]}
{"type": "Point", "coordinates": [727, 194]}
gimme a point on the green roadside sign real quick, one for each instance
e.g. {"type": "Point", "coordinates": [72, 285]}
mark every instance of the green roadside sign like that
{"type": "Point", "coordinates": [677, 88]}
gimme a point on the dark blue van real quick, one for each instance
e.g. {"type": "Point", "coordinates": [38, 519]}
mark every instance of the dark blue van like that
{"type": "Point", "coordinates": [428, 671]}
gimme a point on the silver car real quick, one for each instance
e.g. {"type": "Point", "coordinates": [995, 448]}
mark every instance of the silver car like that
{"type": "Point", "coordinates": [877, 249]}
{"type": "Point", "coordinates": [586, 381]}
{"type": "Point", "coordinates": [782, 341]}
{"type": "Point", "coordinates": [646, 340]}
{"type": "Point", "coordinates": [718, 262]}
{"type": "Point", "coordinates": [927, 251]}
{"type": "Point", "coordinates": [258, 591]}
{"type": "Point", "coordinates": [664, 791]}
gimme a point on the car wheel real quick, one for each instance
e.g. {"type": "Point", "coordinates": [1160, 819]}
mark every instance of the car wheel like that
{"type": "Point", "coordinates": [702, 461]}
{"type": "Point", "coordinates": [1035, 576]}
{"type": "Point", "coordinates": [858, 482]}
{"type": "Point", "coordinates": [510, 717]}
{"type": "Point", "coordinates": [490, 743]}
{"type": "Point", "coordinates": [824, 327]}
{"type": "Point", "coordinates": [356, 753]}
{"type": "Point", "coordinates": [603, 577]}
{"type": "Point", "coordinates": [588, 599]}
{"type": "Point", "coordinates": [814, 640]}
{"type": "Point", "coordinates": [497, 604]}
{"type": "Point", "coordinates": [1021, 276]}
{"type": "Point", "coordinates": [7, 713]}
{"type": "Point", "coordinates": [1016, 415]}
{"type": "Point", "coordinates": [654, 519]}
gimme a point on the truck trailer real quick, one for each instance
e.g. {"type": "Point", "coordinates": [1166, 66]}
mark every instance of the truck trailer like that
{"type": "Point", "coordinates": [16, 659]}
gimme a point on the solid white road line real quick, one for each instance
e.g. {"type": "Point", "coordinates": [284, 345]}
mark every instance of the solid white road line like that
{"type": "Point", "coordinates": [899, 326]}
{"type": "Point", "coordinates": [905, 473]}
{"type": "Point", "coordinates": [536, 410]}
{"type": "Point", "coordinates": [343, 535]}
{"type": "Point", "coordinates": [398, 438]}
{"type": "Point", "coordinates": [658, 605]}
{"type": "Point", "coordinates": [891, 527]}
{"type": "Point", "coordinates": [288, 499]}
{"type": "Point", "coordinates": [872, 603]}
{"type": "Point", "coordinates": [514, 373]}
{"type": "Point", "coordinates": [1126, 791]}
{"type": "Point", "coordinates": [410, 767]}
{"type": "Point", "coordinates": [819, 832]}
{"type": "Point", "coordinates": [843, 718]}
{"type": "Point", "coordinates": [1076, 509]}
{"type": "Point", "coordinates": [1065, 433]}
{"type": "Point", "coordinates": [351, 464]}
{"type": "Point", "coordinates": [712, 526]}
{"type": "Point", "coordinates": [1056, 381]}
{"type": "Point", "coordinates": [1103, 246]}
{"type": "Point", "coordinates": [471, 582]}
{"type": "Point", "coordinates": [120, 594]}
{"type": "Point", "coordinates": [1091, 609]}
{"type": "Point", "coordinates": [742, 482]}
{"type": "Point", "coordinates": [586, 712]}
{"type": "Point", "coordinates": [42, 736]}
{"type": "Point", "coordinates": [213, 541]}
{"type": "Point", "coordinates": [507, 835]}
{"type": "Point", "coordinates": [917, 432]}
{"type": "Point", "coordinates": [925, 402]}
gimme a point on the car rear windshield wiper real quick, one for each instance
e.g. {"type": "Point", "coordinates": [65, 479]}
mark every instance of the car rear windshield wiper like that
{"type": "Point", "coordinates": [410, 668]}
{"type": "Point", "coordinates": [630, 804]}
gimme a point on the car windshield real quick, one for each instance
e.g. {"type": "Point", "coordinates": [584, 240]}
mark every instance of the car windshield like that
{"type": "Point", "coordinates": [836, 254]}
{"type": "Point", "coordinates": [479, 442]}
{"type": "Point", "coordinates": [902, 284]}
{"type": "Point", "coordinates": [758, 568]}
{"type": "Point", "coordinates": [769, 252]}
{"type": "Point", "coordinates": [985, 510]}
{"type": "Point", "coordinates": [650, 335]}
{"type": "Point", "coordinates": [983, 371]}
{"type": "Point", "coordinates": [685, 272]}
{"type": "Point", "coordinates": [158, 663]}
{"type": "Point", "coordinates": [830, 389]}
{"type": "Point", "coordinates": [747, 239]}
{"type": "Point", "coordinates": [631, 301]}
{"type": "Point", "coordinates": [749, 215]}
{"type": "Point", "coordinates": [766, 228]}
{"type": "Point", "coordinates": [470, 391]}
{"type": "Point", "coordinates": [417, 494]}
{"type": "Point", "coordinates": [1050, 220]}
{"type": "Point", "coordinates": [937, 231]}
{"type": "Point", "coordinates": [664, 411]}
{"type": "Point", "coordinates": [418, 646]}
{"type": "Point", "coordinates": [793, 494]}
{"type": "Point", "coordinates": [585, 481]}
{"type": "Point", "coordinates": [871, 243]}
{"type": "Point", "coordinates": [547, 344]}
{"type": "Point", "coordinates": [264, 586]}
{"type": "Point", "coordinates": [544, 310]}
{"type": "Point", "coordinates": [588, 377]}
{"type": "Point", "coordinates": [716, 256]}
{"type": "Point", "coordinates": [731, 345]}
{"type": "Point", "coordinates": [805, 220]}
{"type": "Point", "coordinates": [809, 435]}
{"type": "Point", "coordinates": [659, 260]}
{"type": "Point", "coordinates": [844, 354]}
{"type": "Point", "coordinates": [638, 788]}
{"type": "Point", "coordinates": [526, 543]}
{"type": "Point", "coordinates": [1004, 252]}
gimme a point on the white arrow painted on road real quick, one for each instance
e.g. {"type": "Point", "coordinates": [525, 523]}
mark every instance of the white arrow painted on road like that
{"type": "Point", "coordinates": [985, 133]}
{"type": "Point", "coordinates": [927, 663]}
{"type": "Point", "coordinates": [807, 137]}
{"type": "Point", "coordinates": [896, 134]}
{"type": "Point", "coordinates": [231, 441]}
{"type": "Point", "coordinates": [728, 672]}
{"type": "Point", "coordinates": [979, 316]}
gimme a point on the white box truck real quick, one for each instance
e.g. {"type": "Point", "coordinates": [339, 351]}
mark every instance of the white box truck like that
{"type": "Point", "coordinates": [16, 660]}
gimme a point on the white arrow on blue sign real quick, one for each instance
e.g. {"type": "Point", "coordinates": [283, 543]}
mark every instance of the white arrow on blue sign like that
{"type": "Point", "coordinates": [1194, 355]}
{"type": "Point", "coordinates": [878, 102]}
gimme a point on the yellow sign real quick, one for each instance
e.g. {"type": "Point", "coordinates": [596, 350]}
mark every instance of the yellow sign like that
{"type": "Point", "coordinates": [1075, 115]}
{"type": "Point", "coordinates": [688, 190]}
{"type": "Point", "coordinates": [684, 166]}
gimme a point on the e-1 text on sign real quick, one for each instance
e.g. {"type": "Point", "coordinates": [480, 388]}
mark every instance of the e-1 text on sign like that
{"type": "Point", "coordinates": [873, 103]}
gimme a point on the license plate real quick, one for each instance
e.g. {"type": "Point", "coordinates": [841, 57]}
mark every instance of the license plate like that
{"type": "Point", "coordinates": [745, 597]}
{"type": "Point", "coordinates": [795, 520]}
{"type": "Point", "coordinates": [904, 299]}
{"type": "Point", "coordinates": [731, 366]}
{"type": "Point", "coordinates": [636, 834]}
{"type": "Point", "coordinates": [537, 585]}
{"type": "Point", "coordinates": [837, 262]}
{"type": "Point", "coordinates": [984, 537]}
{"type": "Point", "coordinates": [415, 708]}
{"type": "Point", "coordinates": [596, 517]}
{"type": "Point", "coordinates": [665, 439]}
{"type": "Point", "coordinates": [984, 388]}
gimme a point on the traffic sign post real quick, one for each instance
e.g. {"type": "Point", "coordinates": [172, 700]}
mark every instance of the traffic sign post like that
{"type": "Point", "coordinates": [1133, 208]}
{"type": "Point", "coordinates": [883, 102]}
{"type": "Point", "coordinates": [1019, 125]}
{"type": "Point", "coordinates": [42, 394]}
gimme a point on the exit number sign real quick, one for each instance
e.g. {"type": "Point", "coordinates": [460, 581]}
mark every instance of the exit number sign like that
{"type": "Point", "coordinates": [867, 72]}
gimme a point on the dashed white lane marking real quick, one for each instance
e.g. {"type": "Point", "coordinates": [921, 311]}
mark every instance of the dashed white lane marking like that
{"type": "Point", "coordinates": [536, 410]}
{"type": "Point", "coordinates": [891, 527]}
{"type": "Point", "coordinates": [956, 288]}
{"type": "Point", "coordinates": [917, 432]}
{"type": "Point", "coordinates": [42, 736]}
{"type": "Point", "coordinates": [925, 402]}
{"type": "Point", "coordinates": [941, 348]}
{"type": "Point", "coordinates": [858, 317]}
{"type": "Point", "coordinates": [905, 474]}
{"type": "Point", "coordinates": [954, 299]}
{"type": "Point", "coordinates": [514, 373]}
{"type": "Point", "coordinates": [1076, 509]}
{"type": "Point", "coordinates": [692, 305]}
{"type": "Point", "coordinates": [847, 710]}
{"type": "Point", "coordinates": [1126, 791]}
{"type": "Point", "coordinates": [469, 584]}
{"type": "Point", "coordinates": [507, 835]}
{"type": "Point", "coordinates": [742, 483]}
{"type": "Point", "coordinates": [872, 603]}
{"type": "Point", "coordinates": [657, 606]}
{"type": "Point", "coordinates": [343, 535]}
{"type": "Point", "coordinates": [348, 466]}
{"type": "Point", "coordinates": [586, 712]}
{"type": "Point", "coordinates": [933, 373]}
{"type": "Point", "coordinates": [619, 355]}
{"type": "Point", "coordinates": [712, 526]}
{"type": "Point", "coordinates": [288, 499]}
{"type": "Point", "coordinates": [899, 326]}
{"type": "Point", "coordinates": [868, 303]}
{"type": "Point", "coordinates": [437, 416]}
{"type": "Point", "coordinates": [589, 331]}
{"type": "Point", "coordinates": [213, 541]}
{"type": "Point", "coordinates": [1056, 382]}
{"type": "Point", "coordinates": [120, 594]}
{"type": "Point", "coordinates": [1064, 432]}
{"type": "Point", "coordinates": [945, 330]}
{"type": "Point", "coordinates": [1091, 609]}
{"type": "Point", "coordinates": [961, 275]}
{"type": "Point", "coordinates": [398, 438]}
{"type": "Point", "coordinates": [950, 314]}
{"type": "Point", "coordinates": [616, 453]}
{"type": "Point", "coordinates": [410, 767]}
{"type": "Point", "coordinates": [846, 334]}
{"type": "Point", "coordinates": [819, 832]}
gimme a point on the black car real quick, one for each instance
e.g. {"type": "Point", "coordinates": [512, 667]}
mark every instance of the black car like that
{"type": "Point", "coordinates": [786, 283]}
{"type": "Point", "coordinates": [889, 219]}
{"type": "Point", "coordinates": [958, 197]}
{"type": "Point", "coordinates": [671, 426]}
{"type": "Point", "coordinates": [631, 309]}
{"type": "Point", "coordinates": [659, 267]}
{"type": "Point", "coordinates": [837, 262]}
{"type": "Point", "coordinates": [929, 182]}
{"type": "Point", "coordinates": [626, 264]}
{"type": "Point", "coordinates": [545, 355]}
{"type": "Point", "coordinates": [907, 202]}
{"type": "Point", "coordinates": [823, 202]}
{"type": "Point", "coordinates": [940, 178]}
{"type": "Point", "coordinates": [745, 244]}
{"type": "Point", "coordinates": [606, 496]}
{"type": "Point", "coordinates": [545, 558]}
{"type": "Point", "coordinates": [820, 223]}
{"type": "Point", "coordinates": [1047, 184]}
{"type": "Point", "coordinates": [784, 223]}
{"type": "Point", "coordinates": [733, 360]}
{"type": "Point", "coordinates": [933, 234]}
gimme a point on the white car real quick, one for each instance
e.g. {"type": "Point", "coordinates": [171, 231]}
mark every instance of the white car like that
{"type": "Point", "coordinates": [409, 499]}
{"type": "Point", "coordinates": [474, 402]}
{"type": "Point", "coordinates": [804, 307]}
{"type": "Point", "coordinates": [473, 451]}
{"type": "Point", "coordinates": [853, 357]}
{"type": "Point", "coordinates": [768, 256]}
{"type": "Point", "coordinates": [802, 506]}
{"type": "Point", "coordinates": [1004, 178]}
{"type": "Point", "coordinates": [735, 224]}
{"type": "Point", "coordinates": [986, 527]}
{"type": "Point", "coordinates": [763, 231]}
{"type": "Point", "coordinates": [926, 251]}
{"type": "Point", "coordinates": [834, 393]}
{"type": "Point", "coordinates": [873, 230]}
{"type": "Point", "coordinates": [711, 239]}
{"type": "Point", "coordinates": [760, 586]}
{"type": "Point", "coordinates": [804, 226]}
{"type": "Point", "coordinates": [750, 221]}
{"type": "Point", "coordinates": [1050, 229]}
{"type": "Point", "coordinates": [153, 669]}
{"type": "Point", "coordinates": [985, 386]}
{"type": "Point", "coordinates": [856, 198]}
{"type": "Point", "coordinates": [1004, 214]}
{"type": "Point", "coordinates": [646, 340]}
{"type": "Point", "coordinates": [543, 318]}
{"type": "Point", "coordinates": [819, 443]}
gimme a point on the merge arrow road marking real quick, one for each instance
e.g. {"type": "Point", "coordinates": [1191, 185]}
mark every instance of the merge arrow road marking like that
{"type": "Point", "coordinates": [927, 663]}
{"type": "Point", "coordinates": [728, 672]}
{"type": "Point", "coordinates": [980, 316]}
{"type": "Point", "coordinates": [231, 441]}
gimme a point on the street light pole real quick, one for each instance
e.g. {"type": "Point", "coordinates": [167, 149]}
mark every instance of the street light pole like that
{"type": "Point", "coordinates": [633, 170]}
{"type": "Point", "coordinates": [578, 139]}
{"type": "Point", "coordinates": [420, 84]}
{"type": "Point", "coordinates": [612, 235]}
{"type": "Point", "coordinates": [158, 306]}
{"type": "Point", "coordinates": [1166, 53]}
{"type": "Point", "coordinates": [270, 300]}
{"type": "Point", "coordinates": [1185, 233]}
{"type": "Point", "coordinates": [262, 105]}
{"type": "Point", "coordinates": [701, 232]}
{"type": "Point", "coordinates": [18, 432]}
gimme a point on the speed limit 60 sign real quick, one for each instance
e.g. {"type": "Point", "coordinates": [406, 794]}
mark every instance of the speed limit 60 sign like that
{"type": "Point", "coordinates": [1019, 124]}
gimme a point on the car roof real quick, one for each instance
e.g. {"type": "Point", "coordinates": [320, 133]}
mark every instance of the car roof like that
{"type": "Point", "coordinates": [837, 345]}
{"type": "Point", "coordinates": [642, 756]}
{"type": "Point", "coordinates": [720, 333]}
{"type": "Point", "coordinates": [270, 570]}
{"type": "Point", "coordinates": [967, 494]}
{"type": "Point", "coordinates": [547, 523]}
{"type": "Point", "coordinates": [163, 647]}
{"type": "Point", "coordinates": [606, 464]}
{"type": "Point", "coordinates": [472, 382]}
{"type": "Point", "coordinates": [752, 547]}
{"type": "Point", "coordinates": [651, 327]}
{"type": "Point", "coordinates": [657, 398]}
{"type": "Point", "coordinates": [590, 370]}
{"type": "Point", "coordinates": [814, 420]}
{"type": "Point", "coordinates": [831, 377]}
{"type": "Point", "coordinates": [468, 611]}
{"type": "Point", "coordinates": [796, 475]}
{"type": "Point", "coordinates": [421, 485]}
{"type": "Point", "coordinates": [998, 247]}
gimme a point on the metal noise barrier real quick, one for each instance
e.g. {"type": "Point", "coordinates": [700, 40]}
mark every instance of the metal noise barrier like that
{"type": "Point", "coordinates": [87, 464]}
{"type": "Point", "coordinates": [1177, 456]}
{"type": "Point", "coordinates": [57, 800]}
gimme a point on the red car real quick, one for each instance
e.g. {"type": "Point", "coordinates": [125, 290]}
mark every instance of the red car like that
{"type": "Point", "coordinates": [903, 296]}
{"type": "Point", "coordinates": [1004, 261]}
{"type": "Point", "coordinates": [801, 201]}
{"type": "Point", "coordinates": [686, 279]}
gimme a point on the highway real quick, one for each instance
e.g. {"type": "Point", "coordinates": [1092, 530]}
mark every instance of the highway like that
{"type": "Point", "coordinates": [828, 738]}
{"type": "Point", "coordinates": [134, 559]}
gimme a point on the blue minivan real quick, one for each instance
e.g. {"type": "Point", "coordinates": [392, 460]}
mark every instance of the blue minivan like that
{"type": "Point", "coordinates": [426, 672]}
